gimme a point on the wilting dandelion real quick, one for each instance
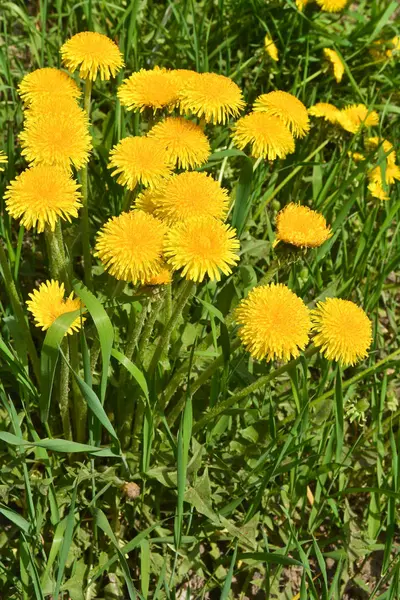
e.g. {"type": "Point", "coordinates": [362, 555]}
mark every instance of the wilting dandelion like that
{"type": "Point", "coordinates": [267, 135]}
{"type": "Point", "coordinates": [274, 323]}
{"type": "Point", "coordinates": [140, 159]}
{"type": "Point", "coordinates": [215, 98]}
{"type": "Point", "coordinates": [60, 139]}
{"type": "Point", "coordinates": [41, 195]}
{"type": "Point", "coordinates": [130, 246]}
{"type": "Point", "coordinates": [185, 142]}
{"type": "Point", "coordinates": [335, 60]}
{"type": "Point", "coordinates": [354, 116]}
{"type": "Point", "coordinates": [48, 303]}
{"type": "Point", "coordinates": [343, 331]}
{"type": "Point", "coordinates": [202, 246]}
{"type": "Point", "coordinates": [191, 194]}
{"type": "Point", "coordinates": [324, 110]}
{"type": "Point", "coordinates": [47, 82]}
{"type": "Point", "coordinates": [94, 54]}
{"type": "Point", "coordinates": [288, 108]}
{"type": "Point", "coordinates": [301, 226]}
{"type": "Point", "coordinates": [156, 88]}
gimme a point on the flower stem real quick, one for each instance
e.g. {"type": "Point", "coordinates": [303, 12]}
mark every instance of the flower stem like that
{"type": "Point", "coordinates": [87, 259]}
{"type": "Point", "coordinates": [64, 389]}
{"type": "Point", "coordinates": [148, 328]}
{"type": "Point", "coordinates": [187, 291]}
{"type": "Point", "coordinates": [18, 312]}
{"type": "Point", "coordinates": [60, 268]}
{"type": "Point", "coordinates": [79, 404]}
{"type": "Point", "coordinates": [220, 408]}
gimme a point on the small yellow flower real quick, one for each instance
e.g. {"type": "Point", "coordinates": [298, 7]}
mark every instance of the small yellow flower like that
{"type": "Point", "coordinates": [191, 194]}
{"type": "Point", "coordinates": [394, 48]}
{"type": "Point", "coordinates": [270, 48]}
{"type": "Point", "coordinates": [392, 174]}
{"type": "Point", "coordinates": [215, 98]}
{"type": "Point", "coordinates": [354, 116]}
{"type": "Point", "coordinates": [356, 156]}
{"type": "Point", "coordinates": [301, 226]}
{"type": "Point", "coordinates": [338, 67]}
{"type": "Point", "coordinates": [3, 160]}
{"type": "Point", "coordinates": [274, 323]}
{"type": "Point", "coordinates": [57, 138]}
{"type": "Point", "coordinates": [94, 54]}
{"type": "Point", "coordinates": [41, 195]}
{"type": "Point", "coordinates": [140, 160]}
{"type": "Point", "coordinates": [48, 303]}
{"type": "Point", "coordinates": [288, 108]}
{"type": "Point", "coordinates": [47, 82]}
{"type": "Point", "coordinates": [325, 111]}
{"type": "Point", "coordinates": [185, 142]}
{"type": "Point", "coordinates": [343, 331]}
{"type": "Point", "coordinates": [163, 277]}
{"type": "Point", "coordinates": [202, 246]}
{"type": "Point", "coordinates": [130, 246]}
{"type": "Point", "coordinates": [377, 191]}
{"type": "Point", "coordinates": [154, 88]}
{"type": "Point", "coordinates": [332, 5]}
{"type": "Point", "coordinates": [374, 142]}
{"type": "Point", "coordinates": [384, 49]}
{"type": "Point", "coordinates": [301, 4]}
{"type": "Point", "coordinates": [268, 136]}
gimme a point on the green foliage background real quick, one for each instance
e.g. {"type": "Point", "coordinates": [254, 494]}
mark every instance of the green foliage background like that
{"type": "Point", "coordinates": [292, 489]}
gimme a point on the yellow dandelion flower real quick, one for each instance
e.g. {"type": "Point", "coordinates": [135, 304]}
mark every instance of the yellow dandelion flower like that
{"type": "Point", "coordinates": [202, 246]}
{"type": "Point", "coordinates": [268, 136]}
{"type": "Point", "coordinates": [56, 138]}
{"type": "Point", "coordinates": [301, 226]}
{"type": "Point", "coordinates": [184, 76]}
{"type": "Point", "coordinates": [47, 82]}
{"type": "Point", "coordinates": [191, 194]}
{"type": "Point", "coordinates": [392, 174]}
{"type": "Point", "coordinates": [301, 4]}
{"type": "Point", "coordinates": [215, 98]}
{"type": "Point", "coordinates": [288, 108]}
{"type": "Point", "coordinates": [3, 160]}
{"type": "Point", "coordinates": [324, 110]}
{"type": "Point", "coordinates": [130, 246]}
{"type": "Point", "coordinates": [48, 303]}
{"type": "Point", "coordinates": [356, 156]}
{"type": "Point", "coordinates": [377, 191]}
{"type": "Point", "coordinates": [185, 142]}
{"type": "Point", "coordinates": [140, 160]}
{"type": "Point", "coordinates": [149, 199]}
{"type": "Point", "coordinates": [332, 5]}
{"type": "Point", "coordinates": [338, 66]}
{"type": "Point", "coordinates": [270, 48]}
{"type": "Point", "coordinates": [94, 54]}
{"type": "Point", "coordinates": [343, 331]}
{"type": "Point", "coordinates": [46, 104]}
{"type": "Point", "coordinates": [354, 116]}
{"type": "Point", "coordinates": [41, 195]}
{"type": "Point", "coordinates": [394, 47]}
{"type": "Point", "coordinates": [154, 88]}
{"type": "Point", "coordinates": [163, 277]}
{"type": "Point", "coordinates": [382, 49]}
{"type": "Point", "coordinates": [274, 323]}
{"type": "Point", "coordinates": [374, 142]}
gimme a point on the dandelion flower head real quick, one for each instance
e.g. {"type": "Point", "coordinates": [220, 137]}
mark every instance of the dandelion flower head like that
{"type": "Point", "coordinates": [41, 195]}
{"type": "Point", "coordinates": [47, 82]}
{"type": "Point", "coordinates": [301, 226]}
{"type": "Point", "coordinates": [378, 192]}
{"type": "Point", "coordinates": [58, 138]}
{"type": "Point", "coordinates": [153, 88]}
{"type": "Point", "coordinates": [268, 136]}
{"type": "Point", "coordinates": [48, 303]}
{"type": "Point", "coordinates": [343, 331]}
{"type": "Point", "coordinates": [374, 142]}
{"type": "Point", "coordinates": [270, 48]}
{"type": "Point", "coordinates": [213, 97]}
{"type": "Point", "coordinates": [202, 246]}
{"type": "Point", "coordinates": [338, 67]}
{"type": "Point", "coordinates": [149, 199]}
{"type": "Point", "coordinates": [130, 246]}
{"type": "Point", "coordinates": [140, 159]}
{"type": "Point", "coordinates": [3, 160]}
{"type": "Point", "coordinates": [191, 194]}
{"type": "Point", "coordinates": [352, 117]}
{"type": "Point", "coordinates": [274, 323]}
{"type": "Point", "coordinates": [301, 4]}
{"type": "Point", "coordinates": [332, 5]}
{"type": "Point", "coordinates": [324, 110]}
{"type": "Point", "coordinates": [185, 142]}
{"type": "Point", "coordinates": [94, 54]}
{"type": "Point", "coordinates": [163, 277]}
{"type": "Point", "coordinates": [288, 108]}
{"type": "Point", "coordinates": [64, 106]}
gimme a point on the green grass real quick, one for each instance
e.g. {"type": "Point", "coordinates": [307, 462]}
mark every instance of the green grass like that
{"type": "Point", "coordinates": [250, 474]}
